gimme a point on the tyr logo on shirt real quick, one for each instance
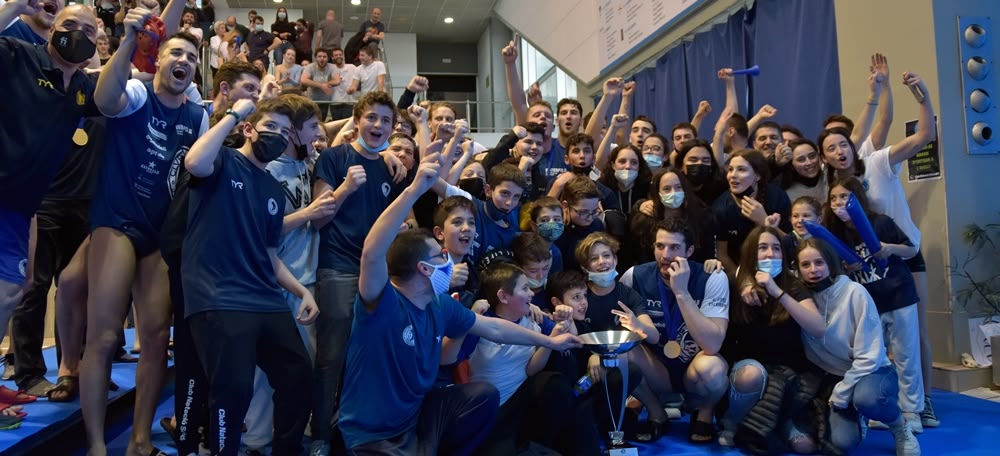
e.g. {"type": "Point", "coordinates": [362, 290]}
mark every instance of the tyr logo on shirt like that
{"type": "Point", "coordinates": [237, 184]}
{"type": "Point", "coordinates": [408, 338]}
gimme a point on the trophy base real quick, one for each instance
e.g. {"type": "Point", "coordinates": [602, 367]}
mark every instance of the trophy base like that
{"type": "Point", "coordinates": [623, 450]}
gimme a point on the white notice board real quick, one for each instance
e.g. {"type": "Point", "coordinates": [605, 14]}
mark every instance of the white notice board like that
{"type": "Point", "coordinates": [627, 25]}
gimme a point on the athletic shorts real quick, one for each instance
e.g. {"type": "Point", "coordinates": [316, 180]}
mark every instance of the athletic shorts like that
{"type": "Point", "coordinates": [144, 241]}
{"type": "Point", "coordinates": [14, 231]}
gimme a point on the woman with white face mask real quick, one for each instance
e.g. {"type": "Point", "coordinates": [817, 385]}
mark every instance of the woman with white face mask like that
{"type": "Point", "coordinates": [772, 310]}
{"type": "Point", "coordinates": [627, 173]}
{"type": "Point", "coordinates": [670, 196]}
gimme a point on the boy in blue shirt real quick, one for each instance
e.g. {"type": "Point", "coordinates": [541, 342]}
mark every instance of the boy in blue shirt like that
{"type": "Point", "coordinates": [401, 315]}
{"type": "Point", "coordinates": [231, 275]}
{"type": "Point", "coordinates": [363, 187]}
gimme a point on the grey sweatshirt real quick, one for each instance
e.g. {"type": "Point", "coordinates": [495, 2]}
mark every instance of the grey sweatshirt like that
{"type": "Point", "coordinates": [852, 346]}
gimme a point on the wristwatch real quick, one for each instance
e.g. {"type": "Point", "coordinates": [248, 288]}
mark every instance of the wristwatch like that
{"type": "Point", "coordinates": [235, 114]}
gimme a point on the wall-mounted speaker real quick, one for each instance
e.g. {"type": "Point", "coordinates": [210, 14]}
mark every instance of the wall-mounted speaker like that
{"type": "Point", "coordinates": [975, 53]}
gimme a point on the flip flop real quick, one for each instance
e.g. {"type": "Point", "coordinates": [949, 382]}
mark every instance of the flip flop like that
{"type": "Point", "coordinates": [18, 414]}
{"type": "Point", "coordinates": [67, 384]}
{"type": "Point", "coordinates": [9, 396]}
{"type": "Point", "coordinates": [701, 429]}
{"type": "Point", "coordinates": [38, 387]}
{"type": "Point", "coordinates": [8, 423]}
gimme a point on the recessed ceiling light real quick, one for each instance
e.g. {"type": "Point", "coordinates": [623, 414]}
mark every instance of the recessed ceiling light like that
{"type": "Point", "coordinates": [448, 20]}
{"type": "Point", "coordinates": [355, 2]}
{"type": "Point", "coordinates": [277, 1]}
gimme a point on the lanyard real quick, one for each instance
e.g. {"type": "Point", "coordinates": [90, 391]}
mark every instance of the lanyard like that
{"type": "Point", "coordinates": [673, 324]}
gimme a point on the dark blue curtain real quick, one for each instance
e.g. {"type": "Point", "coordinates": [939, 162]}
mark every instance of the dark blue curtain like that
{"type": "Point", "coordinates": [795, 44]}
{"type": "Point", "coordinates": [793, 41]}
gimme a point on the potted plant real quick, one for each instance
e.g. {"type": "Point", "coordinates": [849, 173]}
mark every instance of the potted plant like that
{"type": "Point", "coordinates": [981, 292]}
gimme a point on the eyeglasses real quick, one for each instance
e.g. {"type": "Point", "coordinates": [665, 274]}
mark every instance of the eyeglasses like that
{"type": "Point", "coordinates": [443, 256]}
{"type": "Point", "coordinates": [652, 148]}
{"type": "Point", "coordinates": [587, 214]}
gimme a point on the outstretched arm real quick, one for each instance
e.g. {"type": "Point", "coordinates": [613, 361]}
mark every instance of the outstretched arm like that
{"type": "Point", "coordinates": [200, 160]}
{"type": "Point", "coordinates": [926, 129]}
{"type": "Point", "coordinates": [109, 95]}
{"type": "Point", "coordinates": [515, 90]}
{"type": "Point", "coordinates": [612, 87]}
{"type": "Point", "coordinates": [883, 116]}
{"type": "Point", "coordinates": [374, 271]}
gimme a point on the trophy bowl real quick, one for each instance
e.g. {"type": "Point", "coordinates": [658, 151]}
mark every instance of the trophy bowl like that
{"type": "Point", "coordinates": [610, 343]}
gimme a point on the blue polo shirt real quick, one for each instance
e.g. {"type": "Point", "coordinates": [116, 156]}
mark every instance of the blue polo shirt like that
{"type": "Point", "coordinates": [340, 241]}
{"type": "Point", "coordinates": [38, 119]}
{"type": "Point", "coordinates": [234, 216]}
{"type": "Point", "coordinates": [392, 360]}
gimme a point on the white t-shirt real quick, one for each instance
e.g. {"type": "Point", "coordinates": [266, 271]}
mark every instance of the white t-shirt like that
{"type": "Point", "coordinates": [368, 75]}
{"type": "Point", "coordinates": [346, 79]}
{"type": "Point", "coordinates": [217, 49]}
{"type": "Point", "coordinates": [502, 365]}
{"type": "Point", "coordinates": [885, 192]}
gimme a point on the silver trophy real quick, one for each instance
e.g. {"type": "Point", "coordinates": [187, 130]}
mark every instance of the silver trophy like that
{"type": "Point", "coordinates": [609, 345]}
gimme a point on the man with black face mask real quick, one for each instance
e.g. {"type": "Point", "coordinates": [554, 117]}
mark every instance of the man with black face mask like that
{"type": "Point", "coordinates": [231, 271]}
{"type": "Point", "coordinates": [298, 246]}
{"type": "Point", "coordinates": [46, 78]}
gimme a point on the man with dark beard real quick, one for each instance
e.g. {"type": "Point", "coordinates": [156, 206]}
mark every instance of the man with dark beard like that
{"type": "Point", "coordinates": [156, 123]}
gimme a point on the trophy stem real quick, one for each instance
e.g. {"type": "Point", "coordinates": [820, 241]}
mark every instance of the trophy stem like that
{"type": "Point", "coordinates": [616, 435]}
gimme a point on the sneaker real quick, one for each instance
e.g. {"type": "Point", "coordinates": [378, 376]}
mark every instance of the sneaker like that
{"type": "Point", "coordinates": [912, 418]}
{"type": "Point", "coordinates": [727, 438]}
{"type": "Point", "coordinates": [319, 448]}
{"type": "Point", "coordinates": [906, 442]}
{"type": "Point", "coordinates": [927, 417]}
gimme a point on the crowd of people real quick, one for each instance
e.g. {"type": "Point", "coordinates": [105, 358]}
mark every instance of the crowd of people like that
{"type": "Point", "coordinates": [363, 268]}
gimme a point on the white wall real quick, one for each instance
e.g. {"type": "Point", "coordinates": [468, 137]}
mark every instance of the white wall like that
{"type": "Point", "coordinates": [401, 58]}
{"type": "Point", "coordinates": [491, 85]}
{"type": "Point", "coordinates": [566, 31]}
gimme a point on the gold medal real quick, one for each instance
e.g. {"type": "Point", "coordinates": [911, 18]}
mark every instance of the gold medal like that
{"type": "Point", "coordinates": [80, 137]}
{"type": "Point", "coordinates": [672, 349]}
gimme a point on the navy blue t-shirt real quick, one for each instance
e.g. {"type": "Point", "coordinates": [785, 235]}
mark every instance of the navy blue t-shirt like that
{"type": "Point", "coordinates": [146, 147]}
{"type": "Point", "coordinates": [572, 235]}
{"type": "Point", "coordinates": [734, 227]}
{"type": "Point", "coordinates": [31, 153]}
{"type": "Point", "coordinates": [18, 29]}
{"type": "Point", "coordinates": [599, 308]}
{"type": "Point", "coordinates": [341, 240]}
{"type": "Point", "coordinates": [392, 359]}
{"type": "Point", "coordinates": [234, 216]}
{"type": "Point", "coordinates": [489, 235]}
{"type": "Point", "coordinates": [891, 288]}
{"type": "Point", "coordinates": [554, 163]}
